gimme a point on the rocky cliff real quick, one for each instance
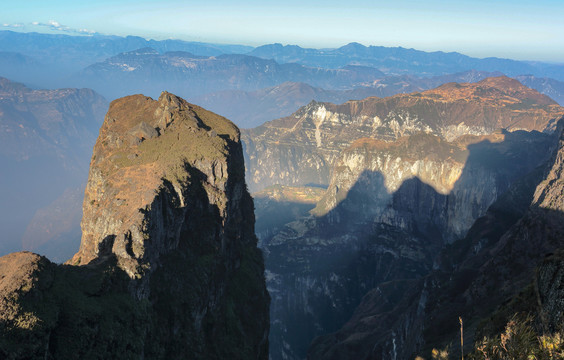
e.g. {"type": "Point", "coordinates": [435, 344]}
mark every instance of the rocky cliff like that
{"type": "Point", "coordinates": [452, 183]}
{"type": "Point", "coordinates": [302, 148]}
{"type": "Point", "coordinates": [405, 177]}
{"type": "Point", "coordinates": [509, 262]}
{"type": "Point", "coordinates": [168, 265]}
{"type": "Point", "coordinates": [389, 210]}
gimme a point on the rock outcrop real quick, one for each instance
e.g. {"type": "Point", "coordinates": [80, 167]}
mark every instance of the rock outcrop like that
{"type": "Point", "coordinates": [510, 262]}
{"type": "Point", "coordinates": [406, 175]}
{"type": "Point", "coordinates": [168, 265]}
{"type": "Point", "coordinates": [302, 148]}
{"type": "Point", "coordinates": [389, 210]}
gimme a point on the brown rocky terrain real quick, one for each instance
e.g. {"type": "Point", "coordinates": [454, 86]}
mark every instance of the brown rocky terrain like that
{"type": "Point", "coordinates": [510, 262]}
{"type": "Point", "coordinates": [252, 108]}
{"type": "Point", "coordinates": [168, 265]}
{"type": "Point", "coordinates": [389, 210]}
{"type": "Point", "coordinates": [406, 176]}
{"type": "Point", "coordinates": [302, 148]}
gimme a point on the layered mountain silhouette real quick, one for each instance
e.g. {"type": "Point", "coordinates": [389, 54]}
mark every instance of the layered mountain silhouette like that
{"type": "Point", "coordinates": [398, 60]}
{"type": "Point", "coordinates": [284, 99]}
{"type": "Point", "coordinates": [52, 58]}
{"type": "Point", "coordinates": [191, 75]}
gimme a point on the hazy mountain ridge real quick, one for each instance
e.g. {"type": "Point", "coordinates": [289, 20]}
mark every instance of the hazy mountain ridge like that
{"type": "Point", "coordinates": [81, 51]}
{"type": "Point", "coordinates": [281, 100]}
{"type": "Point", "coordinates": [46, 139]}
{"type": "Point", "coordinates": [284, 99]}
{"type": "Point", "coordinates": [550, 87]}
{"type": "Point", "coordinates": [115, 67]}
{"type": "Point", "coordinates": [398, 60]}
{"type": "Point", "coordinates": [147, 70]}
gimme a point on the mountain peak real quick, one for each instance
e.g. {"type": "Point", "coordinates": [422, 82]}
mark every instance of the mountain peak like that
{"type": "Point", "coordinates": [353, 45]}
{"type": "Point", "coordinates": [499, 91]}
{"type": "Point", "coordinates": [147, 141]}
{"type": "Point", "coordinates": [168, 246]}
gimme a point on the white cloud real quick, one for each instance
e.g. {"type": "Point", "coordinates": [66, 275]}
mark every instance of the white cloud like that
{"type": "Point", "coordinates": [57, 26]}
{"type": "Point", "coordinates": [18, 25]}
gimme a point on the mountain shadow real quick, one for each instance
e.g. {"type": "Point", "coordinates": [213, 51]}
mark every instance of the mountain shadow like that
{"type": "Point", "coordinates": [319, 268]}
{"type": "Point", "coordinates": [504, 265]}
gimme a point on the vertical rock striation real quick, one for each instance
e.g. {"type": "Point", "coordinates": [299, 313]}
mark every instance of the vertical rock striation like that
{"type": "Point", "coordinates": [302, 148]}
{"type": "Point", "coordinates": [509, 262]}
{"type": "Point", "coordinates": [406, 177]}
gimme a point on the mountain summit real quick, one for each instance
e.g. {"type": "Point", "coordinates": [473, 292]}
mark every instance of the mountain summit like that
{"type": "Point", "coordinates": [168, 265]}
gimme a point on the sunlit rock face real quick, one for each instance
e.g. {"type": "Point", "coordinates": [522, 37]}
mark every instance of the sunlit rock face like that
{"type": "Point", "coordinates": [168, 265]}
{"type": "Point", "coordinates": [302, 148]}
{"type": "Point", "coordinates": [509, 262]}
{"type": "Point", "coordinates": [389, 210]}
{"type": "Point", "coordinates": [405, 176]}
{"type": "Point", "coordinates": [465, 176]}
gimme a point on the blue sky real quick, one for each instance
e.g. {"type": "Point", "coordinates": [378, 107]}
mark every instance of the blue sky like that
{"type": "Point", "coordinates": [525, 30]}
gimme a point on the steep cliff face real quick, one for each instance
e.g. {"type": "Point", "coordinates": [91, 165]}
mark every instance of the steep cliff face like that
{"type": "Point", "coordinates": [168, 230]}
{"type": "Point", "coordinates": [389, 210]}
{"type": "Point", "coordinates": [301, 148]}
{"type": "Point", "coordinates": [464, 177]}
{"type": "Point", "coordinates": [409, 175]}
{"type": "Point", "coordinates": [500, 268]}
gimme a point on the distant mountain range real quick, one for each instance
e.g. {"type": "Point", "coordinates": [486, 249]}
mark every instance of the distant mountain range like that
{"type": "Point", "coordinates": [281, 100]}
{"type": "Point", "coordinates": [550, 87]}
{"type": "Point", "coordinates": [56, 57]}
{"type": "Point", "coordinates": [46, 139]}
{"type": "Point", "coordinates": [117, 66]}
{"type": "Point", "coordinates": [149, 72]}
{"type": "Point", "coordinates": [81, 51]}
{"type": "Point", "coordinates": [398, 60]}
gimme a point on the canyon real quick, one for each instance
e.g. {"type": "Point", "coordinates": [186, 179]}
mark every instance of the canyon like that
{"type": "Point", "coordinates": [405, 177]}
